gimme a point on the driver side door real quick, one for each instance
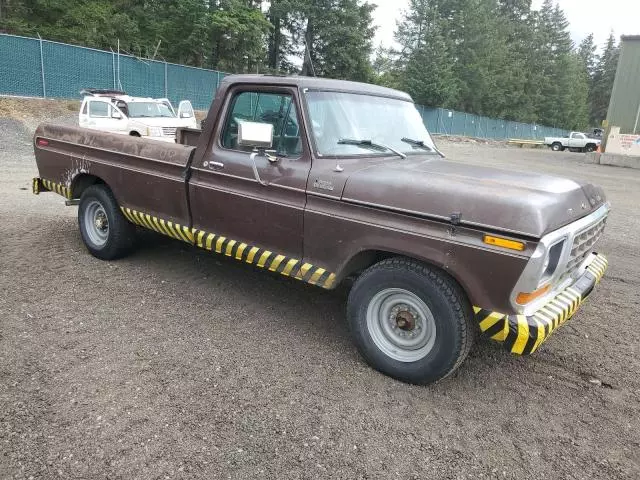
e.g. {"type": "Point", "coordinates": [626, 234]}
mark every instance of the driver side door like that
{"type": "Point", "coordinates": [229, 201]}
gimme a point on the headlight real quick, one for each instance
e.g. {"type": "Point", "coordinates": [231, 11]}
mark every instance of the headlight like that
{"type": "Point", "coordinates": [551, 262]}
{"type": "Point", "coordinates": [154, 131]}
{"type": "Point", "coordinates": [539, 275]}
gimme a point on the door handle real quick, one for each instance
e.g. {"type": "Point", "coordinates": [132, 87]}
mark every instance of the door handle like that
{"type": "Point", "coordinates": [252, 157]}
{"type": "Point", "coordinates": [213, 164]}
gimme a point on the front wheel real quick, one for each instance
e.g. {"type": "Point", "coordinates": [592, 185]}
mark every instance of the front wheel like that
{"type": "Point", "coordinates": [410, 321]}
{"type": "Point", "coordinates": [590, 148]}
{"type": "Point", "coordinates": [105, 232]}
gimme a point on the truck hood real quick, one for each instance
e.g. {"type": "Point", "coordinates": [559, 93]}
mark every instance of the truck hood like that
{"type": "Point", "coordinates": [523, 203]}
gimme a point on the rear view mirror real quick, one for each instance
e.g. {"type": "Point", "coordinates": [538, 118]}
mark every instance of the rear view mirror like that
{"type": "Point", "coordinates": [185, 115]}
{"type": "Point", "coordinates": [116, 115]}
{"type": "Point", "coordinates": [254, 134]}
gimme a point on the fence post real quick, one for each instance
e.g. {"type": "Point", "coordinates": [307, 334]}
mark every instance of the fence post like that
{"type": "Point", "coordinates": [113, 68]}
{"type": "Point", "coordinates": [44, 84]}
{"type": "Point", "coordinates": [166, 86]}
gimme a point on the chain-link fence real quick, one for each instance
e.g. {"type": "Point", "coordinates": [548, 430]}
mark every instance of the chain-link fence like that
{"type": "Point", "coordinates": [41, 68]}
{"type": "Point", "coordinates": [452, 122]}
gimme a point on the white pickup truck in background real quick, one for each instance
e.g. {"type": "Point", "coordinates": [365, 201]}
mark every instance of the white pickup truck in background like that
{"type": "Point", "coordinates": [116, 112]}
{"type": "Point", "coordinates": [575, 142]}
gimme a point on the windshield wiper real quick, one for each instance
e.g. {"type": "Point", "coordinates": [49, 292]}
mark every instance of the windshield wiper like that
{"type": "Point", "coordinates": [416, 143]}
{"type": "Point", "coordinates": [370, 145]}
{"type": "Point", "coordinates": [421, 144]}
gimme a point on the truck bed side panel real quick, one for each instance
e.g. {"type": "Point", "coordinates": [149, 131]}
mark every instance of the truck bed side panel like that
{"type": "Point", "coordinates": [144, 175]}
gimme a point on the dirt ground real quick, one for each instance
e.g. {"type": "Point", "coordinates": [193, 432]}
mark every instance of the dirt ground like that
{"type": "Point", "coordinates": [173, 363]}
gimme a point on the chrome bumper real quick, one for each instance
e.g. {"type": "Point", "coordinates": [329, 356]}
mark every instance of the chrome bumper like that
{"type": "Point", "coordinates": [522, 334]}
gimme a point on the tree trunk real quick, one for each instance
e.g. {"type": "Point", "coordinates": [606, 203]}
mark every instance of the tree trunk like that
{"type": "Point", "coordinates": [274, 45]}
{"type": "Point", "coordinates": [307, 64]}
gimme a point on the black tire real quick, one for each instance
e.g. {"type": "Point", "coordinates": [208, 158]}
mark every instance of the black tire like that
{"type": "Point", "coordinates": [590, 148]}
{"type": "Point", "coordinates": [106, 243]}
{"type": "Point", "coordinates": [450, 310]}
{"type": "Point", "coordinates": [134, 134]}
{"type": "Point", "coordinates": [557, 147]}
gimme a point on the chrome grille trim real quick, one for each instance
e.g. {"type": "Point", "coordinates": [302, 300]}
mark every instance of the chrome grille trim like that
{"type": "Point", "coordinates": [583, 243]}
{"type": "Point", "coordinates": [169, 131]}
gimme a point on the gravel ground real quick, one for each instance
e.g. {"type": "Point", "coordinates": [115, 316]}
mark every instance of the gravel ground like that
{"type": "Point", "coordinates": [175, 364]}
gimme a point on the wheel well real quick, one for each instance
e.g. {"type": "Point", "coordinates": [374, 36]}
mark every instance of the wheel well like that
{"type": "Point", "coordinates": [363, 260]}
{"type": "Point", "coordinates": [367, 258]}
{"type": "Point", "coordinates": [133, 133]}
{"type": "Point", "coordinates": [82, 182]}
{"type": "Point", "coordinates": [590, 145]}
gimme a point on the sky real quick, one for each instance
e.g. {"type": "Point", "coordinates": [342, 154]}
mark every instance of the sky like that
{"type": "Point", "coordinates": [585, 16]}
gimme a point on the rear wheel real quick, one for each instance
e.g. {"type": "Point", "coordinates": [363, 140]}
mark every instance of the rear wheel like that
{"type": "Point", "coordinates": [557, 147]}
{"type": "Point", "coordinates": [410, 321]}
{"type": "Point", "coordinates": [105, 231]}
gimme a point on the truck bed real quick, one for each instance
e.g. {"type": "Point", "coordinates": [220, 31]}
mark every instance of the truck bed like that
{"type": "Point", "coordinates": [68, 157]}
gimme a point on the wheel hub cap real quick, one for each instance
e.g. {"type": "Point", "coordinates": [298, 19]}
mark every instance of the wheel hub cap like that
{"type": "Point", "coordinates": [401, 324]}
{"type": "Point", "coordinates": [96, 223]}
{"type": "Point", "coordinates": [100, 221]}
{"type": "Point", "coordinates": [405, 321]}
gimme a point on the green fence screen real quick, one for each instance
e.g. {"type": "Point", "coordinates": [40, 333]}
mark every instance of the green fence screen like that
{"type": "Point", "coordinates": [40, 68]}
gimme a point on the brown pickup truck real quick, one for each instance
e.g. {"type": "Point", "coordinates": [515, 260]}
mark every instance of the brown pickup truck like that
{"type": "Point", "coordinates": [323, 180]}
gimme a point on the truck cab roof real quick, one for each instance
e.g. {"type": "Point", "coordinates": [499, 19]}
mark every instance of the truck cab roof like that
{"type": "Point", "coordinates": [314, 83]}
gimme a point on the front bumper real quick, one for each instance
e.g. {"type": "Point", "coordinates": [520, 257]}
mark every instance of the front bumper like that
{"type": "Point", "coordinates": [522, 334]}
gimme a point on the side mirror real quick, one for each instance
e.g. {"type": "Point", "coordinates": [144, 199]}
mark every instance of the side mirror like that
{"type": "Point", "coordinates": [116, 115]}
{"type": "Point", "coordinates": [254, 134]}
{"type": "Point", "coordinates": [185, 115]}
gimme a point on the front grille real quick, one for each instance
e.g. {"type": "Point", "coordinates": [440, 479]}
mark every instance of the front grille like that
{"type": "Point", "coordinates": [583, 243]}
{"type": "Point", "coordinates": [169, 131]}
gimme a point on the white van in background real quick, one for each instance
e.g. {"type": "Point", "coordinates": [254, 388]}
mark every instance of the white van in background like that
{"type": "Point", "coordinates": [115, 111]}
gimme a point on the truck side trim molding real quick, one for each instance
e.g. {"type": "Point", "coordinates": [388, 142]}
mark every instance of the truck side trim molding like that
{"type": "Point", "coordinates": [243, 252]}
{"type": "Point", "coordinates": [42, 185]}
{"type": "Point", "coordinates": [522, 334]}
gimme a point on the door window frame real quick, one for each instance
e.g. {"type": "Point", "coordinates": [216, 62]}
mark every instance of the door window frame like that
{"type": "Point", "coordinates": [231, 95]}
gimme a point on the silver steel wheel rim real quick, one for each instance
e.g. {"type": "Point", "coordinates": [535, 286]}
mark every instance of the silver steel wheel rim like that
{"type": "Point", "coordinates": [96, 223]}
{"type": "Point", "coordinates": [401, 325]}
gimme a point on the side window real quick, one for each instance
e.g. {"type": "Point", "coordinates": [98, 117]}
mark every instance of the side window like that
{"type": "Point", "coordinates": [84, 108]}
{"type": "Point", "coordinates": [99, 109]}
{"type": "Point", "coordinates": [277, 109]}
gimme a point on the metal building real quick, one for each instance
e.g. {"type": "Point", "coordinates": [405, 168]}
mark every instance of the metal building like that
{"type": "Point", "coordinates": [624, 106]}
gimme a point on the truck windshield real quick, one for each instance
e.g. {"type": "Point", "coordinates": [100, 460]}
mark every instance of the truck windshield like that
{"type": "Point", "coordinates": [148, 109]}
{"type": "Point", "coordinates": [384, 121]}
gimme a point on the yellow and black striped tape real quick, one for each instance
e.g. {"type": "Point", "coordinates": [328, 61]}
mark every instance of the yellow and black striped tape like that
{"type": "Point", "coordinates": [41, 183]}
{"type": "Point", "coordinates": [524, 334]}
{"type": "Point", "coordinates": [243, 252]}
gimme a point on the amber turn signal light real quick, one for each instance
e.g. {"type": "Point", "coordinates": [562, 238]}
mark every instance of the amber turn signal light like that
{"type": "Point", "coordinates": [503, 242]}
{"type": "Point", "coordinates": [524, 298]}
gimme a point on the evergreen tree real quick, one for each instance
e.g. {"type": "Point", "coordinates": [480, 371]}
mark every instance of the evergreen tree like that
{"type": "Point", "coordinates": [587, 52]}
{"type": "Point", "coordinates": [603, 78]}
{"type": "Point", "coordinates": [424, 63]}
